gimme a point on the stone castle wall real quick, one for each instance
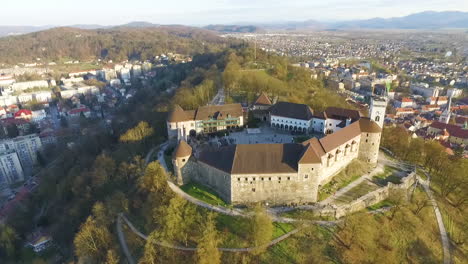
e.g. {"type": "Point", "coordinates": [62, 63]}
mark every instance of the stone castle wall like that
{"type": "Point", "coordinates": [369, 147]}
{"type": "Point", "coordinates": [285, 188]}
{"type": "Point", "coordinates": [331, 167]}
{"type": "Point", "coordinates": [369, 199]}
{"type": "Point", "coordinates": [219, 181]}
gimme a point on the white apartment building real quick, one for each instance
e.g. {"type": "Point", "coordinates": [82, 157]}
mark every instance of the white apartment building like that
{"type": "Point", "coordinates": [424, 90]}
{"type": "Point", "coordinates": [10, 168]}
{"type": "Point", "coordinates": [38, 115]}
{"type": "Point", "coordinates": [43, 97]}
{"type": "Point", "coordinates": [454, 92]}
{"type": "Point", "coordinates": [88, 90]}
{"type": "Point", "coordinates": [25, 146]}
{"type": "Point", "coordinates": [7, 100]}
{"type": "Point", "coordinates": [66, 94]}
{"type": "Point", "coordinates": [28, 85]}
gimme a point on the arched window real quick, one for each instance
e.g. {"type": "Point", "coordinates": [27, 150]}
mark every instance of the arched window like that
{"type": "Point", "coordinates": [377, 118]}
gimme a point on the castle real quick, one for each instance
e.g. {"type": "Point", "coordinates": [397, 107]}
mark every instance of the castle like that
{"type": "Point", "coordinates": [281, 173]}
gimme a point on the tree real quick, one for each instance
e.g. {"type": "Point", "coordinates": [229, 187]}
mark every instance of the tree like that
{"type": "Point", "coordinates": [138, 133]}
{"type": "Point", "coordinates": [154, 178]}
{"type": "Point", "coordinates": [63, 122]}
{"type": "Point", "coordinates": [207, 249]}
{"type": "Point", "coordinates": [112, 257]}
{"type": "Point", "coordinates": [12, 131]}
{"type": "Point", "coordinates": [8, 239]}
{"type": "Point", "coordinates": [178, 220]}
{"type": "Point", "coordinates": [261, 229]}
{"type": "Point", "coordinates": [92, 240]}
{"type": "Point", "coordinates": [150, 255]}
{"type": "Point", "coordinates": [103, 169]}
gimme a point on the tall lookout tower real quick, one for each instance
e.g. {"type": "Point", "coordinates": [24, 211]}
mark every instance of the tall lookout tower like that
{"type": "Point", "coordinates": [180, 157]}
{"type": "Point", "coordinates": [377, 110]}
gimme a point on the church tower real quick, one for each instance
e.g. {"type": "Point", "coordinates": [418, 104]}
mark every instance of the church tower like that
{"type": "Point", "coordinates": [445, 116]}
{"type": "Point", "coordinates": [377, 110]}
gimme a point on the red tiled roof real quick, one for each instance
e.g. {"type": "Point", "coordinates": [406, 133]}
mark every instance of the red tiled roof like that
{"type": "Point", "coordinates": [78, 110]}
{"type": "Point", "coordinates": [406, 100]}
{"type": "Point", "coordinates": [23, 112]}
{"type": "Point", "coordinates": [405, 110]}
{"type": "Point", "coordinates": [454, 130]}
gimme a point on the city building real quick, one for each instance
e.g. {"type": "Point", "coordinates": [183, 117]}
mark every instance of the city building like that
{"type": "Point", "coordinates": [404, 102]}
{"type": "Point", "coordinates": [26, 147]}
{"type": "Point", "coordinates": [454, 92]}
{"type": "Point", "coordinates": [455, 134]}
{"type": "Point", "coordinates": [11, 170]}
{"type": "Point", "coordinates": [19, 86]}
{"type": "Point", "coordinates": [290, 173]}
{"type": "Point", "coordinates": [424, 90]}
{"type": "Point", "coordinates": [205, 119]}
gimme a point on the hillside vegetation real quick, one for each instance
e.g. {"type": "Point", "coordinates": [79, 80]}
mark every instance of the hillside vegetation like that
{"type": "Point", "coordinates": [116, 44]}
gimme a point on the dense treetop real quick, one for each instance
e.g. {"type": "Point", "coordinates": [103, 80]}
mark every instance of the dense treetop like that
{"type": "Point", "coordinates": [116, 44]}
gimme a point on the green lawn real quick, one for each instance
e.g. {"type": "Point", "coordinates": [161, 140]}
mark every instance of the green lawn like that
{"type": "Point", "coordinates": [168, 160]}
{"type": "Point", "coordinates": [281, 229]}
{"type": "Point", "coordinates": [307, 215]}
{"type": "Point", "coordinates": [382, 204]}
{"type": "Point", "coordinates": [389, 175]}
{"type": "Point", "coordinates": [203, 193]}
{"type": "Point", "coordinates": [351, 173]}
{"type": "Point", "coordinates": [300, 139]}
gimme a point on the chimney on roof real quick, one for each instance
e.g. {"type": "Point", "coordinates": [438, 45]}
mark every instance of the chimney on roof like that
{"type": "Point", "coordinates": [348, 121]}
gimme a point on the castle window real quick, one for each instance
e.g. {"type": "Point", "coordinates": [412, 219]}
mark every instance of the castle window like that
{"type": "Point", "coordinates": [289, 178]}
{"type": "Point", "coordinates": [367, 140]}
{"type": "Point", "coordinates": [261, 178]}
{"type": "Point", "coordinates": [377, 118]}
{"type": "Point", "coordinates": [254, 178]}
{"type": "Point", "coordinates": [269, 178]}
{"type": "Point", "coordinates": [253, 189]}
{"type": "Point", "coordinates": [306, 176]}
{"type": "Point", "coordinates": [311, 169]}
{"type": "Point", "coordinates": [246, 179]}
{"type": "Point", "coordinates": [183, 160]}
{"type": "Point", "coordinates": [279, 178]}
{"type": "Point", "coordinates": [367, 134]}
{"type": "Point", "coordinates": [238, 179]}
{"type": "Point", "coordinates": [372, 144]}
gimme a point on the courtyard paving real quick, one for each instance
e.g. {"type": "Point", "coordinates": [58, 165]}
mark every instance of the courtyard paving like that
{"type": "Point", "coordinates": [265, 135]}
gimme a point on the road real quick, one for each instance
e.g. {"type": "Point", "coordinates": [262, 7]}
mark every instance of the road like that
{"type": "Point", "coordinates": [23, 193]}
{"type": "Point", "coordinates": [219, 98]}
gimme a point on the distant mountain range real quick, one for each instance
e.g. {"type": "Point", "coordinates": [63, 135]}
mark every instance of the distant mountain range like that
{"type": "Point", "coordinates": [235, 28]}
{"type": "Point", "coordinates": [428, 20]}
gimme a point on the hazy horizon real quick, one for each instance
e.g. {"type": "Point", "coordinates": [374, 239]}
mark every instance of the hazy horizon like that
{"type": "Point", "coordinates": [204, 12]}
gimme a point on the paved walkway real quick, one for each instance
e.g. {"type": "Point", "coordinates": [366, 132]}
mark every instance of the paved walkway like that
{"type": "Point", "coordinates": [168, 245]}
{"type": "Point", "coordinates": [443, 232]}
{"type": "Point", "coordinates": [366, 177]}
{"type": "Point", "coordinates": [122, 241]}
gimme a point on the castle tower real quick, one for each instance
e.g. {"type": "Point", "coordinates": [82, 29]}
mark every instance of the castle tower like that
{"type": "Point", "coordinates": [377, 110]}
{"type": "Point", "coordinates": [445, 116]}
{"type": "Point", "coordinates": [181, 155]}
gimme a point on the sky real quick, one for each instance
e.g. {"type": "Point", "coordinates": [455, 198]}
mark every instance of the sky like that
{"type": "Point", "coordinates": [203, 12]}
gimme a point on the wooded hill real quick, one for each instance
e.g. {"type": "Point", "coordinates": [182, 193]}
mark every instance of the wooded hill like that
{"type": "Point", "coordinates": [117, 44]}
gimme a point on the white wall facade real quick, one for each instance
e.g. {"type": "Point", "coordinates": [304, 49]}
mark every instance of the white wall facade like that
{"type": "Point", "coordinates": [287, 123]}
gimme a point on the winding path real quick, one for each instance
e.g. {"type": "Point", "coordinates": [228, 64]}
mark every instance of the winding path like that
{"type": "Point", "coordinates": [171, 246]}
{"type": "Point", "coordinates": [237, 212]}
{"type": "Point", "coordinates": [443, 232]}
